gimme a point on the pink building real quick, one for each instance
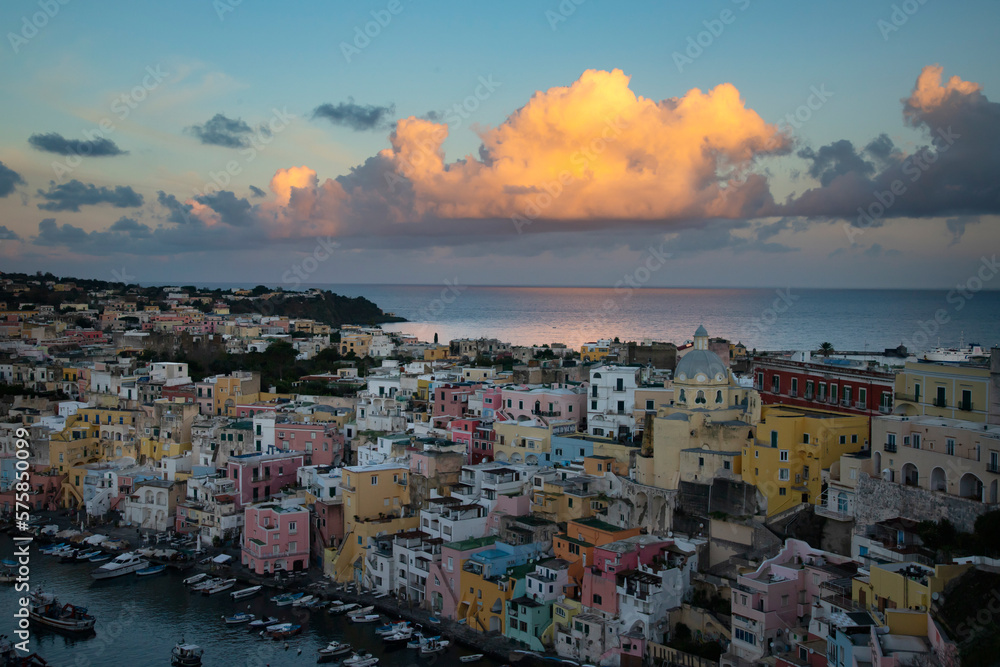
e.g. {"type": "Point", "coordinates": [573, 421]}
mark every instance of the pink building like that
{"type": "Point", "coordinates": [451, 399]}
{"type": "Point", "coordinates": [322, 443]}
{"type": "Point", "coordinates": [601, 579]}
{"type": "Point", "coordinates": [552, 402]}
{"type": "Point", "coordinates": [260, 476]}
{"type": "Point", "coordinates": [504, 505]}
{"type": "Point", "coordinates": [444, 585]}
{"type": "Point", "coordinates": [276, 538]}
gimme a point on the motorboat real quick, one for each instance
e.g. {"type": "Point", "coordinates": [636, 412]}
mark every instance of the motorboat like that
{"type": "Point", "coordinates": [343, 608]}
{"type": "Point", "coordinates": [197, 578]}
{"type": "Point", "coordinates": [99, 558]}
{"type": "Point", "coordinates": [46, 610]}
{"type": "Point", "coordinates": [262, 623]}
{"type": "Point", "coordinates": [303, 601]}
{"type": "Point", "coordinates": [475, 657]}
{"type": "Point", "coordinates": [315, 603]}
{"type": "Point", "coordinates": [362, 611]}
{"type": "Point", "coordinates": [237, 619]}
{"type": "Point", "coordinates": [223, 585]}
{"type": "Point", "coordinates": [365, 618]}
{"type": "Point", "coordinates": [205, 583]}
{"type": "Point", "coordinates": [151, 570]}
{"type": "Point", "coordinates": [245, 592]}
{"type": "Point", "coordinates": [186, 655]}
{"type": "Point", "coordinates": [398, 639]}
{"type": "Point", "coordinates": [333, 651]}
{"type": "Point", "coordinates": [435, 645]}
{"type": "Point", "coordinates": [392, 628]}
{"type": "Point", "coordinates": [52, 548]}
{"type": "Point", "coordinates": [283, 630]}
{"type": "Point", "coordinates": [286, 599]}
{"type": "Point", "coordinates": [360, 659]}
{"type": "Point", "coordinates": [418, 640]}
{"type": "Point", "coordinates": [126, 563]}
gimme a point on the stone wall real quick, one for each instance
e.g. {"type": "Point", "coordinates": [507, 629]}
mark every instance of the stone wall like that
{"type": "Point", "coordinates": [879, 500]}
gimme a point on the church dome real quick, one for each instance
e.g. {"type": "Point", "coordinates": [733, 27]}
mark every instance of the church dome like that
{"type": "Point", "coordinates": [701, 366]}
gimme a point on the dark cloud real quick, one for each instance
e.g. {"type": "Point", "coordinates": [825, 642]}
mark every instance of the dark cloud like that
{"type": "Point", "coordinates": [226, 132]}
{"type": "Point", "coordinates": [51, 234]}
{"type": "Point", "coordinates": [53, 142]}
{"type": "Point", "coordinates": [835, 160]}
{"type": "Point", "coordinates": [131, 226]}
{"type": "Point", "coordinates": [180, 213]}
{"type": "Point", "coordinates": [358, 117]}
{"type": "Point", "coordinates": [8, 234]}
{"type": "Point", "coordinates": [256, 192]}
{"type": "Point", "coordinates": [74, 194]}
{"type": "Point", "coordinates": [956, 226]}
{"type": "Point", "coordinates": [9, 180]}
{"type": "Point", "coordinates": [876, 250]}
{"type": "Point", "coordinates": [232, 210]}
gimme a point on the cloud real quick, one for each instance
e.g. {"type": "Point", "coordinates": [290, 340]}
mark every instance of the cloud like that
{"type": "Point", "coordinates": [131, 226]}
{"type": "Point", "coordinates": [257, 192]}
{"type": "Point", "coordinates": [74, 194]}
{"type": "Point", "coordinates": [53, 142]}
{"type": "Point", "coordinates": [956, 174]}
{"type": "Point", "coordinates": [876, 250]}
{"type": "Point", "coordinates": [358, 117]}
{"type": "Point", "coordinates": [230, 209]}
{"type": "Point", "coordinates": [226, 132]}
{"type": "Point", "coordinates": [956, 226]}
{"type": "Point", "coordinates": [8, 234]}
{"type": "Point", "coordinates": [179, 213]}
{"type": "Point", "coordinates": [9, 180]}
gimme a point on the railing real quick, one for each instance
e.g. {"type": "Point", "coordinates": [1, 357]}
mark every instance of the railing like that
{"type": "Point", "coordinates": [860, 405]}
{"type": "Point", "coordinates": [993, 467]}
{"type": "Point", "coordinates": [809, 395]}
{"type": "Point", "coordinates": [965, 406]}
{"type": "Point", "coordinates": [793, 393]}
{"type": "Point", "coordinates": [885, 409]}
{"type": "Point", "coordinates": [547, 413]}
{"type": "Point", "coordinates": [845, 403]}
{"type": "Point", "coordinates": [890, 447]}
{"type": "Point", "coordinates": [940, 403]}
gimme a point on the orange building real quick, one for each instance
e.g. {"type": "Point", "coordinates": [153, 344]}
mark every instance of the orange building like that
{"type": "Point", "coordinates": [577, 544]}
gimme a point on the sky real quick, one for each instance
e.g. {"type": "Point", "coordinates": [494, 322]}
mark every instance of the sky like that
{"type": "Point", "coordinates": [725, 143]}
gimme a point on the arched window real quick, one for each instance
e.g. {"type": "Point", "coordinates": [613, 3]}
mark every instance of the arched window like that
{"type": "Point", "coordinates": [597, 376]}
{"type": "Point", "coordinates": [683, 398]}
{"type": "Point", "coordinates": [718, 396]}
{"type": "Point", "coordinates": [700, 398]}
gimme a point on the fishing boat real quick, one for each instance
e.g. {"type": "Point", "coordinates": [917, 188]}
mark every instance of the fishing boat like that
{"type": "Point", "coordinates": [315, 603]}
{"type": "Point", "coordinates": [398, 639]}
{"type": "Point", "coordinates": [127, 563]}
{"type": "Point", "coordinates": [333, 651]}
{"type": "Point", "coordinates": [237, 619]}
{"type": "Point", "coordinates": [46, 610]}
{"type": "Point", "coordinates": [433, 619]}
{"type": "Point", "coordinates": [186, 655]}
{"type": "Point", "coordinates": [152, 569]}
{"type": "Point", "coordinates": [99, 558]}
{"type": "Point", "coordinates": [223, 585]}
{"type": "Point", "coordinates": [197, 578]}
{"type": "Point", "coordinates": [283, 630]}
{"type": "Point", "coordinates": [52, 548]}
{"type": "Point", "coordinates": [244, 593]}
{"type": "Point", "coordinates": [362, 611]}
{"type": "Point", "coordinates": [435, 645]}
{"type": "Point", "coordinates": [262, 623]}
{"type": "Point", "coordinates": [286, 599]}
{"type": "Point", "coordinates": [343, 608]}
{"type": "Point", "coordinates": [418, 640]}
{"type": "Point", "coordinates": [392, 628]}
{"type": "Point", "coordinates": [206, 583]}
{"type": "Point", "coordinates": [360, 659]}
{"type": "Point", "coordinates": [303, 601]}
{"type": "Point", "coordinates": [475, 657]}
{"type": "Point", "coordinates": [365, 618]}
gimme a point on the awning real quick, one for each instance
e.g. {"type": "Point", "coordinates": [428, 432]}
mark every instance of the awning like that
{"type": "Point", "coordinates": [222, 558]}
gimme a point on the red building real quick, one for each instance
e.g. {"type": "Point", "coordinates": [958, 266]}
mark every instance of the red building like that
{"type": "Point", "coordinates": [843, 385]}
{"type": "Point", "coordinates": [452, 399]}
{"type": "Point", "coordinates": [477, 436]}
{"type": "Point", "coordinates": [322, 443]}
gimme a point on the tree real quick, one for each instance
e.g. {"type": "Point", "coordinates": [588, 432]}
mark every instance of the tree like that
{"type": "Point", "coordinates": [826, 348]}
{"type": "Point", "coordinates": [435, 338]}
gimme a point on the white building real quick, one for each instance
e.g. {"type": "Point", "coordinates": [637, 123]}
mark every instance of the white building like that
{"type": "Point", "coordinates": [149, 505]}
{"type": "Point", "coordinates": [611, 401]}
{"type": "Point", "coordinates": [263, 432]}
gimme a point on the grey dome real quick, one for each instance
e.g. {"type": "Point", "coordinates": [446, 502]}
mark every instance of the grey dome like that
{"type": "Point", "coordinates": [700, 361]}
{"type": "Point", "coordinates": [701, 331]}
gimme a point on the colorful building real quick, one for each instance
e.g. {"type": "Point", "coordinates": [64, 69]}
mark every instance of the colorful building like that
{"type": "Point", "coordinates": [275, 538]}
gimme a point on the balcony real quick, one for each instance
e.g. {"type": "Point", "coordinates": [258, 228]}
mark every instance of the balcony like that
{"type": "Point", "coordinates": [845, 403]}
{"type": "Point", "coordinates": [890, 447]}
{"type": "Point", "coordinates": [940, 403]}
{"type": "Point", "coordinates": [809, 395]}
{"type": "Point", "coordinates": [793, 393]}
{"type": "Point", "coordinates": [900, 396]}
{"type": "Point", "coordinates": [885, 409]}
{"type": "Point", "coordinates": [993, 468]}
{"type": "Point", "coordinates": [965, 406]}
{"type": "Point", "coordinates": [547, 413]}
{"type": "Point", "coordinates": [860, 405]}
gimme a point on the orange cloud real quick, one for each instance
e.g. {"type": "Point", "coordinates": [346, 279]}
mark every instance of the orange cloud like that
{"type": "Point", "coordinates": [928, 93]}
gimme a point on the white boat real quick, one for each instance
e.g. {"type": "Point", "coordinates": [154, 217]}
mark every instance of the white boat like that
{"type": "Point", "coordinates": [237, 619]}
{"type": "Point", "coordinates": [45, 609]}
{"type": "Point", "coordinates": [363, 659]}
{"type": "Point", "coordinates": [343, 608]}
{"type": "Point", "coordinates": [244, 593]}
{"type": "Point", "coordinates": [399, 638]}
{"type": "Point", "coordinates": [334, 650]}
{"type": "Point", "coordinates": [365, 618]}
{"type": "Point", "coordinates": [223, 585]}
{"type": "Point", "coordinates": [205, 583]}
{"type": "Point", "coordinates": [392, 628]}
{"type": "Point", "coordinates": [362, 611]}
{"type": "Point", "coordinates": [124, 564]}
{"type": "Point", "coordinates": [434, 646]}
{"type": "Point", "coordinates": [186, 655]}
{"type": "Point", "coordinates": [262, 623]}
{"type": "Point", "coordinates": [475, 657]}
{"type": "Point", "coordinates": [286, 599]}
{"type": "Point", "coordinates": [419, 640]}
{"type": "Point", "coordinates": [955, 355]}
{"type": "Point", "coordinates": [198, 578]}
{"type": "Point", "coordinates": [303, 601]}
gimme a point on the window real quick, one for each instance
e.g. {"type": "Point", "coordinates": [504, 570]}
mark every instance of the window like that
{"type": "Point", "coordinates": [593, 405]}
{"type": "Point", "coordinates": [949, 446]}
{"type": "Point", "coordinates": [745, 636]}
{"type": "Point", "coordinates": [775, 384]}
{"type": "Point", "coordinates": [854, 438]}
{"type": "Point", "coordinates": [783, 455]}
{"type": "Point", "coordinates": [843, 439]}
{"type": "Point", "coordinates": [774, 438]}
{"type": "Point", "coordinates": [916, 441]}
{"type": "Point", "coordinates": [782, 491]}
{"type": "Point", "coordinates": [374, 480]}
{"type": "Point", "coordinates": [649, 404]}
{"type": "Point", "coordinates": [597, 599]}
{"type": "Point", "coordinates": [727, 465]}
{"type": "Point", "coordinates": [783, 474]}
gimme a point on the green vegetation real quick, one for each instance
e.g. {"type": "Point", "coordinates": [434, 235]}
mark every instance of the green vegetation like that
{"type": "Point", "coordinates": [945, 538]}
{"type": "Point", "coordinates": [682, 640]}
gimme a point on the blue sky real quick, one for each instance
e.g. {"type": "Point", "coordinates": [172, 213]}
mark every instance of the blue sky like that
{"type": "Point", "coordinates": [252, 61]}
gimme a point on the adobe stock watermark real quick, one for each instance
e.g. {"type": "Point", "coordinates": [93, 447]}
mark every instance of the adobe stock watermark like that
{"type": "Point", "coordinates": [581, 159]}
{"type": "Point", "coordinates": [455, 114]}
{"type": "Point", "coordinates": [656, 259]}
{"type": "Point", "coordinates": [449, 294]}
{"type": "Point", "coordinates": [899, 17]}
{"type": "Point", "coordinates": [223, 7]}
{"type": "Point", "coordinates": [363, 35]}
{"type": "Point", "coordinates": [300, 271]}
{"type": "Point", "coordinates": [562, 12]}
{"type": "Point", "coordinates": [122, 107]}
{"type": "Point", "coordinates": [31, 24]}
{"type": "Point", "coordinates": [769, 316]}
{"type": "Point", "coordinates": [964, 292]}
{"type": "Point", "coordinates": [714, 28]}
{"type": "Point", "coordinates": [913, 167]}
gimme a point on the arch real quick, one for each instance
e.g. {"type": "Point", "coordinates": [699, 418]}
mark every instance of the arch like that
{"type": "Point", "coordinates": [515, 457]}
{"type": "Point", "coordinates": [939, 479]}
{"type": "Point", "coordinates": [500, 456]}
{"type": "Point", "coordinates": [700, 398]}
{"type": "Point", "coordinates": [659, 504]}
{"type": "Point", "coordinates": [641, 503]}
{"type": "Point", "coordinates": [911, 476]}
{"type": "Point", "coordinates": [970, 486]}
{"type": "Point", "coordinates": [682, 398]}
{"type": "Point", "coordinates": [538, 407]}
{"type": "Point", "coordinates": [905, 410]}
{"type": "Point", "coordinates": [597, 376]}
{"type": "Point", "coordinates": [877, 465]}
{"type": "Point", "coordinates": [149, 497]}
{"type": "Point", "coordinates": [531, 459]}
{"type": "Point", "coordinates": [992, 497]}
{"type": "Point", "coordinates": [718, 396]}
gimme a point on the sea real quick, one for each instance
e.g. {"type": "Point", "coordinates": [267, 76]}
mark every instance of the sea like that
{"type": "Point", "coordinates": [140, 619]}
{"type": "Point", "coordinates": [763, 319]}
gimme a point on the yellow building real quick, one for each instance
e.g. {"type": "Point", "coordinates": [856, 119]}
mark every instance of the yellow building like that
{"type": "Point", "coordinates": [595, 351]}
{"type": "Point", "coordinates": [355, 342]}
{"type": "Point", "coordinates": [560, 500]}
{"type": "Point", "coordinates": [942, 390]}
{"type": "Point", "coordinates": [376, 502]}
{"type": "Point", "coordinates": [154, 449]}
{"type": "Point", "coordinates": [528, 441]}
{"type": "Point", "coordinates": [792, 448]}
{"type": "Point", "coordinates": [436, 353]}
{"type": "Point", "coordinates": [485, 595]}
{"type": "Point", "coordinates": [905, 586]}
{"type": "Point", "coordinates": [231, 389]}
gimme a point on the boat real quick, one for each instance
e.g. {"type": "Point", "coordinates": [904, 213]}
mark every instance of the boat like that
{"type": "Point", "coordinates": [433, 619]}
{"type": "Point", "coordinates": [286, 599]}
{"type": "Point", "coordinates": [152, 569]}
{"type": "Point", "coordinates": [99, 558]}
{"type": "Point", "coordinates": [186, 655]}
{"type": "Point", "coordinates": [198, 578]}
{"type": "Point", "coordinates": [334, 650]}
{"type": "Point", "coordinates": [244, 593]}
{"type": "Point", "coordinates": [222, 585]}
{"type": "Point", "coordinates": [283, 630]}
{"type": "Point", "coordinates": [303, 601]}
{"type": "Point", "coordinates": [237, 619]}
{"type": "Point", "coordinates": [205, 583]}
{"type": "Point", "coordinates": [362, 611]}
{"type": "Point", "coordinates": [343, 608]}
{"type": "Point", "coordinates": [46, 610]}
{"type": "Point", "coordinates": [365, 618]}
{"type": "Point", "coordinates": [435, 645]}
{"type": "Point", "coordinates": [398, 639]}
{"type": "Point", "coordinates": [315, 603]}
{"type": "Point", "coordinates": [126, 563]}
{"type": "Point", "coordinates": [392, 628]}
{"type": "Point", "coordinates": [954, 355]}
{"type": "Point", "coordinates": [52, 548]}
{"type": "Point", "coordinates": [262, 623]}
{"type": "Point", "coordinates": [419, 640]}
{"type": "Point", "coordinates": [475, 657]}
{"type": "Point", "coordinates": [7, 576]}
{"type": "Point", "coordinates": [360, 659]}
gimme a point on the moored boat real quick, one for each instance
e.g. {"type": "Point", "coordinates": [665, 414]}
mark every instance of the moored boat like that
{"type": "Point", "coordinates": [222, 585]}
{"type": "Point", "coordinates": [392, 628]}
{"type": "Point", "coordinates": [244, 593]}
{"type": "Point", "coordinates": [286, 599]}
{"type": "Point", "coordinates": [46, 610]}
{"type": "Point", "coordinates": [475, 657]}
{"type": "Point", "coordinates": [365, 618]}
{"type": "Point", "coordinates": [151, 570]}
{"type": "Point", "coordinates": [435, 645]}
{"type": "Point", "coordinates": [99, 558]}
{"type": "Point", "coordinates": [343, 608]}
{"type": "Point", "coordinates": [205, 583]}
{"type": "Point", "coordinates": [237, 619]}
{"type": "Point", "coordinates": [283, 630]}
{"type": "Point", "coordinates": [334, 650]}
{"type": "Point", "coordinates": [263, 623]}
{"type": "Point", "coordinates": [197, 578]}
{"type": "Point", "coordinates": [360, 659]}
{"type": "Point", "coordinates": [303, 601]}
{"type": "Point", "coordinates": [398, 639]}
{"type": "Point", "coordinates": [362, 611]}
{"type": "Point", "coordinates": [186, 655]}
{"type": "Point", "coordinates": [126, 563]}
